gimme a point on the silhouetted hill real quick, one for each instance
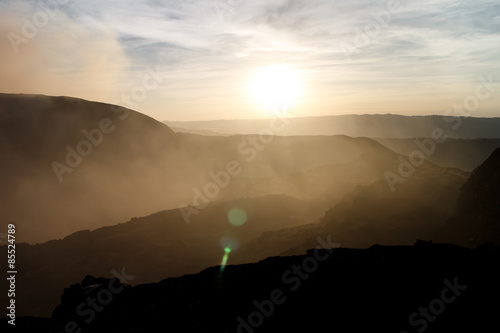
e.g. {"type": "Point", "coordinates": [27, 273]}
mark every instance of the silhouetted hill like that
{"type": "Point", "coordinates": [71, 164]}
{"type": "Point", "coordinates": [62, 173]}
{"type": "Point", "coordinates": [425, 287]}
{"type": "Point", "coordinates": [480, 195]}
{"type": "Point", "coordinates": [142, 166]}
{"type": "Point", "coordinates": [373, 126]}
{"type": "Point", "coordinates": [372, 214]}
{"type": "Point", "coordinates": [465, 154]}
{"type": "Point", "coordinates": [163, 245]}
{"type": "Point", "coordinates": [477, 216]}
{"type": "Point", "coordinates": [153, 247]}
{"type": "Point", "coordinates": [103, 176]}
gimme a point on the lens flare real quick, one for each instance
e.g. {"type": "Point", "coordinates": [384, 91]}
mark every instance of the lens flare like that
{"type": "Point", "coordinates": [237, 217]}
{"type": "Point", "coordinates": [229, 244]}
{"type": "Point", "coordinates": [227, 250]}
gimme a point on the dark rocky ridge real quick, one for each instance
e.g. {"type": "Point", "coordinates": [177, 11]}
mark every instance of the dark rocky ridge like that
{"type": "Point", "coordinates": [481, 194]}
{"type": "Point", "coordinates": [376, 289]}
{"type": "Point", "coordinates": [477, 215]}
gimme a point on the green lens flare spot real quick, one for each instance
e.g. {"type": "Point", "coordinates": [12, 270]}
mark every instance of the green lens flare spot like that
{"type": "Point", "coordinates": [237, 217]}
{"type": "Point", "coordinates": [224, 259]}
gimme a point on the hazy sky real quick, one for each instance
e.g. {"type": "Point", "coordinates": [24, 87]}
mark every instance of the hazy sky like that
{"type": "Point", "coordinates": [404, 57]}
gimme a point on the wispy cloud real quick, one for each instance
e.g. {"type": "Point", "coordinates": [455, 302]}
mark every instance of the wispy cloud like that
{"type": "Point", "coordinates": [426, 50]}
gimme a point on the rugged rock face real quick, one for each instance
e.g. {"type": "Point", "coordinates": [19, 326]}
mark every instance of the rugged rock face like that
{"type": "Point", "coordinates": [83, 302]}
{"type": "Point", "coordinates": [426, 287]}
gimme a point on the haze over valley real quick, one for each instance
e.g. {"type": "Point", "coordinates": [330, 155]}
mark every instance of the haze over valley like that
{"type": "Point", "coordinates": [249, 166]}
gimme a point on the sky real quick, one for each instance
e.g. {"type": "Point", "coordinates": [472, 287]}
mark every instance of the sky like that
{"type": "Point", "coordinates": [229, 59]}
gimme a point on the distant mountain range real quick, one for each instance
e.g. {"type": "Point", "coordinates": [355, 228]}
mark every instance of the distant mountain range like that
{"type": "Point", "coordinates": [372, 126]}
{"type": "Point", "coordinates": [470, 140]}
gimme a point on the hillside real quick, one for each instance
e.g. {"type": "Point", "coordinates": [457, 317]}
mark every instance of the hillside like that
{"type": "Point", "coordinates": [447, 206]}
{"type": "Point", "coordinates": [465, 154]}
{"type": "Point", "coordinates": [163, 245]}
{"type": "Point", "coordinates": [436, 287]}
{"type": "Point", "coordinates": [58, 179]}
{"type": "Point", "coordinates": [62, 172]}
{"type": "Point", "coordinates": [142, 166]}
{"type": "Point", "coordinates": [153, 247]}
{"type": "Point", "coordinates": [373, 214]}
{"type": "Point", "coordinates": [334, 185]}
{"type": "Point", "coordinates": [477, 215]}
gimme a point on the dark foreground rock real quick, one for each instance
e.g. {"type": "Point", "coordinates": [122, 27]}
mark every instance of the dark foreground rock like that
{"type": "Point", "coordinates": [426, 287]}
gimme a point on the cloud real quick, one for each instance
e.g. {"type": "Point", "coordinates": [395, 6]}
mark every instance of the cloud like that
{"type": "Point", "coordinates": [58, 56]}
{"type": "Point", "coordinates": [208, 49]}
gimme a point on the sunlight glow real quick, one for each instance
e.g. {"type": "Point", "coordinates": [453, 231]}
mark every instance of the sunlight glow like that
{"type": "Point", "coordinates": [275, 87]}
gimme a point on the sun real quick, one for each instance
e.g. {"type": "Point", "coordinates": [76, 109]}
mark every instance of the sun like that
{"type": "Point", "coordinates": [275, 87]}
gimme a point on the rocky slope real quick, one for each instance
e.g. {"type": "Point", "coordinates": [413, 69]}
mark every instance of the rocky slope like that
{"type": "Point", "coordinates": [425, 287]}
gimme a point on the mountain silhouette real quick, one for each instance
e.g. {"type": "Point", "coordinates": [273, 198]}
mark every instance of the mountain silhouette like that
{"type": "Point", "coordinates": [82, 165]}
{"type": "Point", "coordinates": [477, 216]}
{"type": "Point", "coordinates": [431, 287]}
{"type": "Point", "coordinates": [465, 154]}
{"type": "Point", "coordinates": [373, 126]}
{"type": "Point", "coordinates": [336, 186]}
{"type": "Point", "coordinates": [153, 247]}
{"type": "Point", "coordinates": [480, 195]}
{"type": "Point", "coordinates": [163, 245]}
